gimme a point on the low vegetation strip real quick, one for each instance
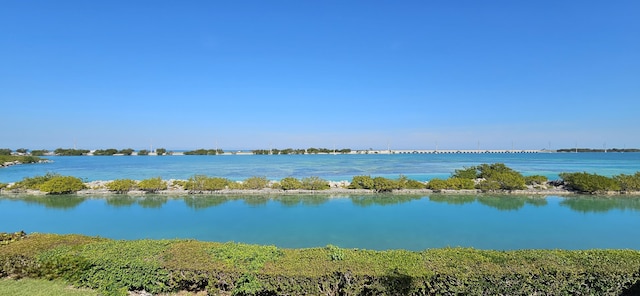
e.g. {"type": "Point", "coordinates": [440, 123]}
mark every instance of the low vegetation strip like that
{"type": "Point", "coordinates": [495, 177]}
{"type": "Point", "coordinates": [114, 267]}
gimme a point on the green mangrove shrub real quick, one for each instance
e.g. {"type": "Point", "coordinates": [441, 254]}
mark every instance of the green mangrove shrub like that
{"type": "Point", "coordinates": [589, 183]}
{"type": "Point", "coordinates": [382, 184]}
{"type": "Point", "coordinates": [201, 183]}
{"type": "Point", "coordinates": [107, 152]}
{"type": "Point", "coordinates": [62, 185]}
{"type": "Point", "coordinates": [70, 152]}
{"type": "Point", "coordinates": [314, 183]}
{"type": "Point", "coordinates": [255, 183]}
{"type": "Point", "coordinates": [143, 152]}
{"type": "Point", "coordinates": [32, 182]}
{"type": "Point", "coordinates": [127, 151]}
{"type": "Point", "coordinates": [290, 183]}
{"type": "Point", "coordinates": [452, 183]}
{"type": "Point", "coordinates": [41, 152]}
{"type": "Point", "coordinates": [121, 185]}
{"type": "Point", "coordinates": [628, 182]}
{"type": "Point", "coordinates": [535, 180]}
{"type": "Point", "coordinates": [361, 182]}
{"type": "Point", "coordinates": [406, 183]}
{"type": "Point", "coordinates": [152, 185]}
{"type": "Point", "coordinates": [24, 159]}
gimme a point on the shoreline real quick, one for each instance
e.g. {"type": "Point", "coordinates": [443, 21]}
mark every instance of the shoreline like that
{"type": "Point", "coordinates": [336, 187]}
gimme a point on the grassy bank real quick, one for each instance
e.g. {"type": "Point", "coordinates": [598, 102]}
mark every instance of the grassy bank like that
{"type": "Point", "coordinates": [113, 267]}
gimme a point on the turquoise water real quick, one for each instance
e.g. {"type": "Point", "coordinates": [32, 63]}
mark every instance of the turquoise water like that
{"type": "Point", "coordinates": [380, 222]}
{"type": "Point", "coordinates": [371, 222]}
{"type": "Point", "coordinates": [331, 167]}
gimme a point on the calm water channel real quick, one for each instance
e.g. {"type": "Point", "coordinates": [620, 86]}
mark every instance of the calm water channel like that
{"type": "Point", "coordinates": [371, 222]}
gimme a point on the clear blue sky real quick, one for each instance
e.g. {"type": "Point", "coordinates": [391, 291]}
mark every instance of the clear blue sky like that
{"type": "Point", "coordinates": [356, 74]}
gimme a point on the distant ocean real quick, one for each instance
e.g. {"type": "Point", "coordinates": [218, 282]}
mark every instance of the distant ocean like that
{"type": "Point", "coordinates": [338, 167]}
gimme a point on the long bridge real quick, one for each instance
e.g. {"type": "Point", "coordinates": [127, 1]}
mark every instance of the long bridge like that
{"type": "Point", "coordinates": [450, 151]}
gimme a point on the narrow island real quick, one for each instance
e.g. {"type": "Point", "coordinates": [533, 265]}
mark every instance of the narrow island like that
{"type": "Point", "coordinates": [491, 178]}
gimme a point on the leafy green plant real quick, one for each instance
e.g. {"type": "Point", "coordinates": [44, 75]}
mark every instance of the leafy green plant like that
{"type": "Point", "coordinates": [361, 182]}
{"type": "Point", "coordinates": [121, 185]}
{"type": "Point", "coordinates": [452, 183]}
{"type": "Point", "coordinates": [255, 183]}
{"type": "Point", "coordinates": [290, 183]}
{"type": "Point", "coordinates": [535, 180]}
{"type": "Point", "coordinates": [314, 183]}
{"type": "Point", "coordinates": [70, 152]}
{"type": "Point", "coordinates": [406, 183]}
{"type": "Point", "coordinates": [628, 182]}
{"type": "Point", "coordinates": [466, 173]}
{"type": "Point", "coordinates": [108, 152]}
{"type": "Point", "coordinates": [39, 152]}
{"type": "Point", "coordinates": [382, 184]}
{"type": "Point", "coordinates": [152, 185]}
{"type": "Point", "coordinates": [335, 253]}
{"type": "Point", "coordinates": [200, 183]}
{"type": "Point", "coordinates": [589, 183]}
{"type": "Point", "coordinates": [143, 152]}
{"type": "Point", "coordinates": [127, 151]}
{"type": "Point", "coordinates": [62, 185]}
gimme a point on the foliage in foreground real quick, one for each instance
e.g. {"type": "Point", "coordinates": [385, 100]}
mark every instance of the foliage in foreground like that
{"type": "Point", "coordinates": [113, 267]}
{"type": "Point", "coordinates": [41, 287]}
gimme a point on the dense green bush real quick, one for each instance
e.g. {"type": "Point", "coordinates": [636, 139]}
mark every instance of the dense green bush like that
{"type": "Point", "coordinates": [152, 185]}
{"type": "Point", "coordinates": [405, 183]}
{"type": "Point", "coordinates": [39, 152]}
{"type": "Point", "coordinates": [19, 158]}
{"type": "Point", "coordinates": [466, 173]}
{"type": "Point", "coordinates": [361, 182]}
{"type": "Point", "coordinates": [628, 182]}
{"type": "Point", "coordinates": [382, 184]}
{"type": "Point", "coordinates": [589, 183]}
{"type": "Point", "coordinates": [70, 152]}
{"type": "Point", "coordinates": [161, 151]}
{"type": "Point", "coordinates": [121, 185]}
{"type": "Point", "coordinates": [143, 152]}
{"type": "Point", "coordinates": [452, 183]}
{"type": "Point", "coordinates": [127, 151]}
{"type": "Point", "coordinates": [255, 183]}
{"type": "Point", "coordinates": [165, 266]}
{"type": "Point", "coordinates": [200, 183]}
{"type": "Point", "coordinates": [503, 180]}
{"type": "Point", "coordinates": [204, 152]}
{"type": "Point", "coordinates": [535, 180]}
{"type": "Point", "coordinates": [290, 183]}
{"type": "Point", "coordinates": [33, 182]}
{"type": "Point", "coordinates": [62, 185]}
{"type": "Point", "coordinates": [5, 151]}
{"type": "Point", "coordinates": [108, 152]}
{"type": "Point", "coordinates": [314, 183]}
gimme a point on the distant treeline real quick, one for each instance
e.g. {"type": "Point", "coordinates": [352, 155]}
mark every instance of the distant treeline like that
{"type": "Point", "coordinates": [598, 150]}
{"type": "Point", "coordinates": [204, 152]}
{"type": "Point", "coordinates": [80, 152]}
{"type": "Point", "coordinates": [300, 151]}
